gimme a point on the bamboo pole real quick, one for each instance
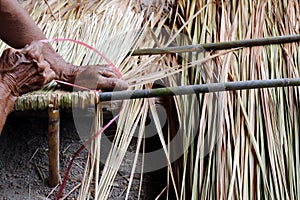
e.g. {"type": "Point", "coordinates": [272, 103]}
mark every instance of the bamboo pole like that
{"type": "Point", "coordinates": [53, 143]}
{"type": "Point", "coordinates": [196, 89]}
{"type": "Point", "coordinates": [218, 46]}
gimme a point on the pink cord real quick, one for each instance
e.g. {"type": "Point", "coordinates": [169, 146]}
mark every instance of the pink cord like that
{"type": "Point", "coordinates": [59, 193]}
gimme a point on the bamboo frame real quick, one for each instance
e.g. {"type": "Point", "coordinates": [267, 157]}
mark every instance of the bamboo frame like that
{"type": "Point", "coordinates": [196, 89]}
{"type": "Point", "coordinates": [218, 46]}
{"type": "Point", "coordinates": [84, 99]}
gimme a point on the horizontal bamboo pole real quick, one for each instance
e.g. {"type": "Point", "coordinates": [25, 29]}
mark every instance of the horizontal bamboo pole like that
{"type": "Point", "coordinates": [196, 89]}
{"type": "Point", "coordinates": [218, 46]}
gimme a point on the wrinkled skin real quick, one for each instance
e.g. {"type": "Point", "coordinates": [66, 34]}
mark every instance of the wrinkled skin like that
{"type": "Point", "coordinates": [103, 76]}
{"type": "Point", "coordinates": [21, 71]}
{"type": "Point", "coordinates": [25, 70]}
{"type": "Point", "coordinates": [89, 78]}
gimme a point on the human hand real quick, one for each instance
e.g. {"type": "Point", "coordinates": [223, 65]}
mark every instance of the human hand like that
{"type": "Point", "coordinates": [21, 71]}
{"type": "Point", "coordinates": [102, 77]}
{"type": "Point", "coordinates": [25, 70]}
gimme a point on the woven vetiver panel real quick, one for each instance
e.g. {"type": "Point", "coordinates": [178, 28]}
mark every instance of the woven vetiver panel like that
{"type": "Point", "coordinates": [40, 100]}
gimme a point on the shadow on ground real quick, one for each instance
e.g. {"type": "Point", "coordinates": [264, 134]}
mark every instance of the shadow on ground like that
{"type": "Point", "coordinates": [24, 161]}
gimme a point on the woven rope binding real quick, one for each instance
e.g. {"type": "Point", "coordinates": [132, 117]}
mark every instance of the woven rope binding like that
{"type": "Point", "coordinates": [40, 100]}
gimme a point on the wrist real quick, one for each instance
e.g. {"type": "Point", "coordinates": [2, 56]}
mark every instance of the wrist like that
{"type": "Point", "coordinates": [64, 71]}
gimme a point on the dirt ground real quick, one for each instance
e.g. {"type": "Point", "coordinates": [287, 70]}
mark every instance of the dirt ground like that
{"type": "Point", "coordinates": [24, 161]}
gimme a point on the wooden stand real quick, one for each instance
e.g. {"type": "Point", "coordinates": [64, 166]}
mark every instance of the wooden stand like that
{"type": "Point", "coordinates": [53, 143]}
{"type": "Point", "coordinates": [54, 101]}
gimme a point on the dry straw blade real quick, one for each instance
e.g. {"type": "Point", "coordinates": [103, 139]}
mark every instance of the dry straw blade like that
{"type": "Point", "coordinates": [255, 135]}
{"type": "Point", "coordinates": [246, 143]}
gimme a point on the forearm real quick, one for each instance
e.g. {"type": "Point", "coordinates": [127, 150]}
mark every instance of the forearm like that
{"type": "Point", "coordinates": [7, 102]}
{"type": "Point", "coordinates": [21, 30]}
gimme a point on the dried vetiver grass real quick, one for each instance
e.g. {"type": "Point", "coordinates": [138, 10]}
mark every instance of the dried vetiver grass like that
{"type": "Point", "coordinates": [254, 148]}
{"type": "Point", "coordinates": [246, 143]}
{"type": "Point", "coordinates": [40, 100]}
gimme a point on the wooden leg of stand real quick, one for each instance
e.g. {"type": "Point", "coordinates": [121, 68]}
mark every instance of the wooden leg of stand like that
{"type": "Point", "coordinates": [53, 143]}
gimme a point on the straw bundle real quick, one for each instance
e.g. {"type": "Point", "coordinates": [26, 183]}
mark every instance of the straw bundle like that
{"type": "Point", "coordinates": [40, 100]}
{"type": "Point", "coordinates": [252, 150]}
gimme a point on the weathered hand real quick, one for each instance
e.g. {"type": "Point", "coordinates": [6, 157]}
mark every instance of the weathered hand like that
{"type": "Point", "coordinates": [99, 77]}
{"type": "Point", "coordinates": [25, 70]}
{"type": "Point", "coordinates": [21, 71]}
{"type": "Point", "coordinates": [93, 76]}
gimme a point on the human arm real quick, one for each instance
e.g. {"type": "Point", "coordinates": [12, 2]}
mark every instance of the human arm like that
{"type": "Point", "coordinates": [7, 102]}
{"type": "Point", "coordinates": [21, 71]}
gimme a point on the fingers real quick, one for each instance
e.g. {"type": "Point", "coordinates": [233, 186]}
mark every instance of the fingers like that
{"type": "Point", "coordinates": [103, 70]}
{"type": "Point", "coordinates": [33, 51]}
{"type": "Point", "coordinates": [45, 73]}
{"type": "Point", "coordinates": [109, 74]}
{"type": "Point", "coordinates": [26, 68]}
{"type": "Point", "coordinates": [48, 75]}
{"type": "Point", "coordinates": [34, 78]}
{"type": "Point", "coordinates": [9, 58]}
{"type": "Point", "coordinates": [111, 81]}
{"type": "Point", "coordinates": [102, 77]}
{"type": "Point", "coordinates": [112, 84]}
